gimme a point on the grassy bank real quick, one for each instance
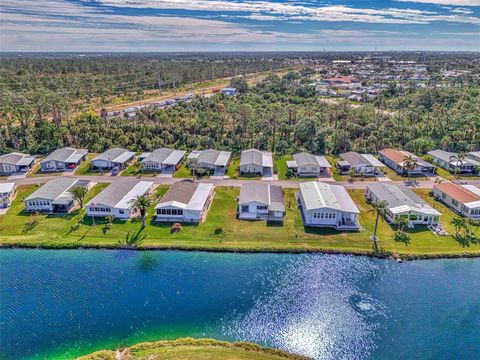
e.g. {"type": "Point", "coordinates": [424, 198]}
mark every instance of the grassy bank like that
{"type": "Point", "coordinates": [196, 349]}
{"type": "Point", "coordinates": [223, 232]}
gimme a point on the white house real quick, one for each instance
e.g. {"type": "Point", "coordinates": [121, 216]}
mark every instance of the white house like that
{"type": "Point", "coordinates": [116, 157]}
{"type": "Point", "coordinates": [305, 164]}
{"type": "Point", "coordinates": [326, 205]}
{"type": "Point", "coordinates": [256, 162]}
{"type": "Point", "coordinates": [16, 163]}
{"type": "Point", "coordinates": [117, 199]}
{"type": "Point", "coordinates": [214, 160]}
{"type": "Point", "coordinates": [7, 194]}
{"type": "Point", "coordinates": [448, 161]}
{"type": "Point", "coordinates": [261, 201]}
{"type": "Point", "coordinates": [402, 203]}
{"type": "Point", "coordinates": [464, 199]}
{"type": "Point", "coordinates": [163, 159]}
{"type": "Point", "coordinates": [185, 201]}
{"type": "Point", "coordinates": [474, 155]}
{"type": "Point", "coordinates": [396, 159]}
{"type": "Point", "coordinates": [63, 159]}
{"type": "Point", "coordinates": [361, 164]}
{"type": "Point", "coordinates": [55, 196]}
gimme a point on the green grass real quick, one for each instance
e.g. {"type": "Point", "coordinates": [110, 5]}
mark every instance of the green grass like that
{"type": "Point", "coordinates": [135, 169]}
{"type": "Point", "coordinates": [233, 172]}
{"type": "Point", "coordinates": [197, 349]}
{"type": "Point", "coordinates": [84, 167]}
{"type": "Point", "coordinates": [281, 166]}
{"type": "Point", "coordinates": [183, 172]}
{"type": "Point", "coordinates": [54, 231]}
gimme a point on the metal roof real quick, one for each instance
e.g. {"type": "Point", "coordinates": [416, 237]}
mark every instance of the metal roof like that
{"type": "Point", "coordinates": [446, 156]}
{"type": "Point", "coordinates": [16, 158]}
{"type": "Point", "coordinates": [6, 188]}
{"type": "Point", "coordinates": [165, 156]}
{"type": "Point", "coordinates": [303, 158]}
{"type": "Point", "coordinates": [120, 194]}
{"type": "Point", "coordinates": [318, 195]}
{"type": "Point", "coordinates": [66, 154]}
{"type": "Point", "coordinates": [257, 157]}
{"type": "Point", "coordinates": [57, 188]}
{"type": "Point", "coordinates": [356, 159]}
{"type": "Point", "coordinates": [211, 156]}
{"type": "Point", "coordinates": [269, 195]}
{"type": "Point", "coordinates": [186, 195]}
{"type": "Point", "coordinates": [117, 155]}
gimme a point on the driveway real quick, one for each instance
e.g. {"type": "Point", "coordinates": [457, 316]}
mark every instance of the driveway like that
{"type": "Point", "coordinates": [17, 176]}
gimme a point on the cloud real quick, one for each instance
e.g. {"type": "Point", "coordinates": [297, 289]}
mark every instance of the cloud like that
{"type": "Point", "coordinates": [446, 2]}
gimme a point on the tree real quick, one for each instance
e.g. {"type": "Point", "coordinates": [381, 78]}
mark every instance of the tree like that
{"type": "Point", "coordinates": [378, 207]}
{"type": "Point", "coordinates": [79, 193]}
{"type": "Point", "coordinates": [459, 223]}
{"type": "Point", "coordinates": [409, 163]}
{"type": "Point", "coordinates": [142, 202]}
{"type": "Point", "coordinates": [401, 222]}
{"type": "Point", "coordinates": [458, 158]}
{"type": "Point", "coordinates": [240, 83]}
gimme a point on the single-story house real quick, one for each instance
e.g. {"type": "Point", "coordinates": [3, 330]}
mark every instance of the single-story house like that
{"type": "Point", "coordinates": [16, 163]}
{"type": "Point", "coordinates": [214, 160]}
{"type": "Point", "coordinates": [7, 194]}
{"type": "Point", "coordinates": [464, 199]}
{"type": "Point", "coordinates": [229, 91]}
{"type": "Point", "coordinates": [361, 164]}
{"type": "Point", "coordinates": [185, 201]}
{"type": "Point", "coordinates": [474, 155]}
{"type": "Point", "coordinates": [116, 157]}
{"type": "Point", "coordinates": [402, 202]}
{"type": "Point", "coordinates": [326, 205]}
{"type": "Point", "coordinates": [55, 196]}
{"type": "Point", "coordinates": [305, 164]}
{"type": "Point", "coordinates": [448, 161]}
{"type": "Point", "coordinates": [163, 159]}
{"type": "Point", "coordinates": [256, 162]}
{"type": "Point", "coordinates": [395, 159]}
{"type": "Point", "coordinates": [261, 201]}
{"type": "Point", "coordinates": [116, 199]}
{"type": "Point", "coordinates": [63, 159]}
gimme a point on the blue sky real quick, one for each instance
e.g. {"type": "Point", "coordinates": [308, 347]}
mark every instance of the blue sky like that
{"type": "Point", "coordinates": [238, 25]}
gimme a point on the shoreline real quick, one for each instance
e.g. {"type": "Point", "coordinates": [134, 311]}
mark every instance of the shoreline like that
{"type": "Point", "coordinates": [385, 255]}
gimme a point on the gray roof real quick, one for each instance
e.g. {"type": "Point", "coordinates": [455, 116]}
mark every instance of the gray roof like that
{"type": "Point", "coordinates": [180, 191]}
{"type": "Point", "coordinates": [257, 157]}
{"type": "Point", "coordinates": [118, 155]}
{"type": "Point", "coordinates": [165, 156]}
{"type": "Point", "coordinates": [115, 193]}
{"type": "Point", "coordinates": [16, 158]}
{"type": "Point", "coordinates": [270, 195]}
{"type": "Point", "coordinates": [356, 159]}
{"type": "Point", "coordinates": [57, 188]}
{"type": "Point", "coordinates": [303, 159]}
{"type": "Point", "coordinates": [318, 195]}
{"type": "Point", "coordinates": [396, 195]}
{"type": "Point", "coordinates": [214, 157]}
{"type": "Point", "coordinates": [446, 156]}
{"type": "Point", "coordinates": [66, 154]}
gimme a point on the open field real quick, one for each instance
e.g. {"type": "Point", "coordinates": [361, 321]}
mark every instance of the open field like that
{"type": "Point", "coordinates": [222, 231]}
{"type": "Point", "coordinates": [197, 349]}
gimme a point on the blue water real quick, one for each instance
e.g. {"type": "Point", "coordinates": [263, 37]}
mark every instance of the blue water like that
{"type": "Point", "coordinates": [61, 304]}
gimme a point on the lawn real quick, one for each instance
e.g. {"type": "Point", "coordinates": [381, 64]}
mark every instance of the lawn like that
{"type": "Point", "coordinates": [136, 170]}
{"type": "Point", "coordinates": [233, 172]}
{"type": "Point", "coordinates": [84, 167]}
{"type": "Point", "coordinates": [281, 166]}
{"type": "Point", "coordinates": [183, 172]}
{"type": "Point", "coordinates": [55, 231]}
{"type": "Point", "coordinates": [197, 349]}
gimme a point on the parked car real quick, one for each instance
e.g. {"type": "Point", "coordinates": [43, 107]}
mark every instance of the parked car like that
{"type": "Point", "coordinates": [115, 171]}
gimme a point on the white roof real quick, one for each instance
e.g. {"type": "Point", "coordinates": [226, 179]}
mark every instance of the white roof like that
{"type": "Point", "coordinates": [139, 189]}
{"type": "Point", "coordinates": [195, 203]}
{"type": "Point", "coordinates": [426, 210]}
{"type": "Point", "coordinates": [322, 161]}
{"type": "Point", "coordinates": [6, 187]}
{"type": "Point", "coordinates": [373, 160]}
{"type": "Point", "coordinates": [267, 159]}
{"type": "Point", "coordinates": [317, 195]}
{"type": "Point", "coordinates": [475, 190]}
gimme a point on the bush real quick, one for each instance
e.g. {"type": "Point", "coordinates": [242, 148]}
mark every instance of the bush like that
{"type": "Point", "coordinates": [218, 231]}
{"type": "Point", "coordinates": [176, 227]}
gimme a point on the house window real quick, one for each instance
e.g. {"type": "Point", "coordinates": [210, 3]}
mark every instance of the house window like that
{"type": "Point", "coordinates": [121, 211]}
{"type": "Point", "coordinates": [262, 207]}
{"type": "Point", "coordinates": [444, 195]}
{"type": "Point", "coordinates": [244, 208]}
{"type": "Point", "coordinates": [454, 202]}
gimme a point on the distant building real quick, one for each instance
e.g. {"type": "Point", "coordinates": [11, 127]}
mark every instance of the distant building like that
{"type": "Point", "coordinates": [402, 203]}
{"type": "Point", "coordinates": [55, 196]}
{"type": "Point", "coordinates": [464, 199]}
{"type": "Point", "coordinates": [395, 159]}
{"type": "Point", "coordinates": [185, 201]}
{"type": "Point", "coordinates": [306, 164]}
{"type": "Point", "coordinates": [229, 91]}
{"type": "Point", "coordinates": [474, 155]}
{"type": "Point", "coordinates": [163, 159]}
{"type": "Point", "coordinates": [215, 160]}
{"type": "Point", "coordinates": [16, 163]}
{"type": "Point", "coordinates": [256, 162]}
{"type": "Point", "coordinates": [116, 157]}
{"type": "Point", "coordinates": [116, 199]}
{"type": "Point", "coordinates": [7, 194]}
{"type": "Point", "coordinates": [326, 205]}
{"type": "Point", "coordinates": [361, 164]}
{"type": "Point", "coordinates": [261, 201]}
{"type": "Point", "coordinates": [448, 161]}
{"type": "Point", "coordinates": [63, 159]}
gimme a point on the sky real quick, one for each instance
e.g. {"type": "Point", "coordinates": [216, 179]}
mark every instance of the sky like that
{"type": "Point", "coordinates": [238, 25]}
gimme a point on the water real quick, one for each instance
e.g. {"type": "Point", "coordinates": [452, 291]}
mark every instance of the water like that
{"type": "Point", "coordinates": [61, 304]}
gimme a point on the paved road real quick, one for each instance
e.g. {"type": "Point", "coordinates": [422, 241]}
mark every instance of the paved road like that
{"type": "Point", "coordinates": [425, 184]}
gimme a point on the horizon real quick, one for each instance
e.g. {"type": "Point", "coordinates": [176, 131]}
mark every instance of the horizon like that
{"type": "Point", "coordinates": [182, 26]}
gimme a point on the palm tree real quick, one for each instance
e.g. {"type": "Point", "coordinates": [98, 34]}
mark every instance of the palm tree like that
{"type": "Point", "coordinates": [458, 158]}
{"type": "Point", "coordinates": [401, 222]}
{"type": "Point", "coordinates": [379, 208]}
{"type": "Point", "coordinates": [79, 193]}
{"type": "Point", "coordinates": [409, 163]}
{"type": "Point", "coordinates": [142, 202]}
{"type": "Point", "coordinates": [459, 223]}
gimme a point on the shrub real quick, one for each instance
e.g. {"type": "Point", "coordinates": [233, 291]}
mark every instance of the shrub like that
{"type": "Point", "coordinates": [218, 230]}
{"type": "Point", "coordinates": [176, 227]}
